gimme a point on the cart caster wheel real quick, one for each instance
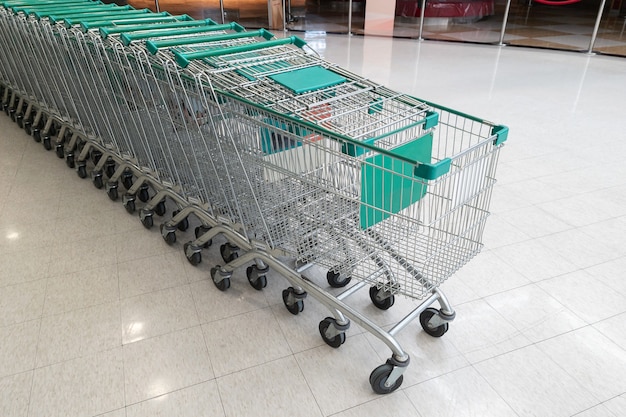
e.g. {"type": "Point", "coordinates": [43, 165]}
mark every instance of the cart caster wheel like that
{"type": "Point", "coordinates": [96, 178]}
{"type": "Point", "coordinates": [146, 218]}
{"type": "Point", "coordinates": [109, 168]}
{"type": "Point", "coordinates": [143, 194]}
{"type": "Point", "coordinates": [160, 209]}
{"type": "Point", "coordinates": [127, 180]}
{"type": "Point", "coordinates": [183, 224]}
{"type": "Point", "coordinates": [224, 283]}
{"type": "Point", "coordinates": [169, 236]}
{"type": "Point", "coordinates": [200, 230]}
{"type": "Point", "coordinates": [193, 256]}
{"type": "Point", "coordinates": [59, 150]}
{"type": "Point", "coordinates": [69, 160]}
{"type": "Point", "coordinates": [335, 340]}
{"type": "Point", "coordinates": [433, 331]}
{"type": "Point", "coordinates": [81, 170]}
{"type": "Point", "coordinates": [11, 113]}
{"type": "Point", "coordinates": [19, 119]}
{"type": "Point", "coordinates": [129, 203]}
{"type": "Point", "coordinates": [112, 190]}
{"type": "Point", "coordinates": [53, 130]}
{"type": "Point", "coordinates": [256, 277]}
{"type": "Point", "coordinates": [28, 127]}
{"type": "Point", "coordinates": [46, 142]}
{"type": "Point", "coordinates": [95, 156]}
{"type": "Point", "coordinates": [294, 302]}
{"type": "Point", "coordinates": [381, 299]}
{"type": "Point", "coordinates": [378, 379]}
{"type": "Point", "coordinates": [37, 135]}
{"type": "Point", "coordinates": [335, 280]}
{"type": "Point", "coordinates": [229, 252]}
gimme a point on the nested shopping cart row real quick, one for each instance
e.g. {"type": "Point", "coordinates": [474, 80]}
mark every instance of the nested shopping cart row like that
{"type": "Point", "coordinates": [295, 161]}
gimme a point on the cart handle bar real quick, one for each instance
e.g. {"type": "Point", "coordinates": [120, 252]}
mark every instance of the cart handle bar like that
{"type": "Point", "coordinates": [107, 31]}
{"type": "Point", "coordinates": [154, 45]}
{"type": "Point", "coordinates": [121, 20]}
{"type": "Point", "coordinates": [61, 15]}
{"type": "Point", "coordinates": [18, 3]}
{"type": "Point", "coordinates": [127, 38]}
{"type": "Point", "coordinates": [122, 14]}
{"type": "Point", "coordinates": [68, 7]}
{"type": "Point", "coordinates": [184, 59]}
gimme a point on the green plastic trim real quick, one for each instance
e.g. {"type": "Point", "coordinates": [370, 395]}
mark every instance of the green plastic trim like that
{"type": "Point", "coordinates": [154, 18]}
{"type": "Point", "coordinates": [501, 132]}
{"type": "Point", "coordinates": [76, 20]}
{"type": "Point", "coordinates": [168, 43]}
{"type": "Point", "coordinates": [60, 15]}
{"type": "Point", "coordinates": [13, 5]}
{"type": "Point", "coordinates": [108, 31]}
{"type": "Point", "coordinates": [127, 38]}
{"type": "Point", "coordinates": [433, 171]}
{"type": "Point", "coordinates": [71, 7]}
{"type": "Point", "coordinates": [432, 120]}
{"type": "Point", "coordinates": [184, 59]}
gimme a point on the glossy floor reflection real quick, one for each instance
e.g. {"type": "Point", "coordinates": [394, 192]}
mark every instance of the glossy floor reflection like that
{"type": "Point", "coordinates": [99, 317]}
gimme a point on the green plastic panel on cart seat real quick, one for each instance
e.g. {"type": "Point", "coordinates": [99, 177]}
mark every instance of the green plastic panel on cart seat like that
{"type": "Point", "coordinates": [388, 185]}
{"type": "Point", "coordinates": [308, 79]}
{"type": "Point", "coordinates": [501, 132]}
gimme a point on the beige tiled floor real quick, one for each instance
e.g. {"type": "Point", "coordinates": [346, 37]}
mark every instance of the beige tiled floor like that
{"type": "Point", "coordinates": [99, 317]}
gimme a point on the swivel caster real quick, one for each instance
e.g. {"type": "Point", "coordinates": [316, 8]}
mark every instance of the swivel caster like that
{"type": "Point", "coordinates": [335, 279]}
{"type": "Point", "coordinates": [109, 168]}
{"type": "Point", "coordinates": [293, 301]}
{"type": "Point", "coordinates": [430, 324]}
{"type": "Point", "coordinates": [127, 179]}
{"type": "Point", "coordinates": [220, 278]}
{"type": "Point", "coordinates": [28, 127]}
{"type": "Point", "coordinates": [143, 194]}
{"type": "Point", "coordinates": [37, 135]}
{"type": "Point", "coordinates": [183, 224]}
{"type": "Point", "coordinates": [69, 160]}
{"type": "Point", "coordinates": [380, 377]}
{"type": "Point", "coordinates": [128, 200]}
{"type": "Point", "coordinates": [19, 119]}
{"type": "Point", "coordinates": [95, 156]}
{"type": "Point", "coordinates": [201, 230]}
{"type": "Point", "coordinates": [168, 233]}
{"type": "Point", "coordinates": [333, 333]}
{"type": "Point", "coordinates": [60, 151]}
{"type": "Point", "coordinates": [160, 209]}
{"type": "Point", "coordinates": [81, 169]}
{"type": "Point", "coordinates": [111, 189]}
{"type": "Point", "coordinates": [256, 277]}
{"type": "Point", "coordinates": [193, 253]}
{"type": "Point", "coordinates": [146, 218]}
{"type": "Point", "coordinates": [229, 252]}
{"type": "Point", "coordinates": [382, 299]}
{"type": "Point", "coordinates": [96, 178]}
{"type": "Point", "coordinates": [47, 142]}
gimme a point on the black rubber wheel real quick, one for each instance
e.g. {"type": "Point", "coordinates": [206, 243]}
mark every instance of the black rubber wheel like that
{"type": "Point", "coordinates": [160, 209]}
{"type": "Point", "coordinates": [60, 151]}
{"type": "Point", "coordinates": [170, 238]}
{"type": "Point", "coordinates": [337, 340]}
{"type": "Point", "coordinates": [183, 224]}
{"type": "Point", "coordinates": [258, 282]}
{"type": "Point", "coordinates": [147, 222]}
{"type": "Point", "coordinates": [37, 135]}
{"type": "Point", "coordinates": [436, 331]}
{"type": "Point", "coordinates": [195, 258]}
{"type": "Point", "coordinates": [228, 253]}
{"type": "Point", "coordinates": [130, 206]}
{"type": "Point", "coordinates": [383, 304]}
{"type": "Point", "coordinates": [335, 280]}
{"type": "Point", "coordinates": [200, 230]}
{"type": "Point", "coordinates": [19, 119]}
{"type": "Point", "coordinates": [127, 180]}
{"type": "Point", "coordinates": [224, 284]}
{"type": "Point", "coordinates": [81, 170]}
{"type": "Point", "coordinates": [112, 193]}
{"type": "Point", "coordinates": [97, 181]}
{"type": "Point", "coordinates": [28, 127]}
{"type": "Point", "coordinates": [109, 168]}
{"type": "Point", "coordinates": [69, 161]}
{"type": "Point", "coordinates": [295, 308]}
{"type": "Point", "coordinates": [95, 156]}
{"type": "Point", "coordinates": [143, 194]}
{"type": "Point", "coordinates": [379, 376]}
{"type": "Point", "coordinates": [47, 142]}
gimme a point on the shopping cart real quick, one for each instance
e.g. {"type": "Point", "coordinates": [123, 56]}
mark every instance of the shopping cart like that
{"type": "Point", "coordinates": [284, 154]}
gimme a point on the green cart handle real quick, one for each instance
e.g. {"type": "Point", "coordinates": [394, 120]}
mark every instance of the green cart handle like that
{"type": "Point", "coordinates": [184, 58]}
{"type": "Point", "coordinates": [162, 17]}
{"type": "Point", "coordinates": [108, 31]}
{"type": "Point", "coordinates": [21, 3]}
{"type": "Point", "coordinates": [69, 22]}
{"type": "Point", "coordinates": [32, 9]}
{"type": "Point", "coordinates": [127, 38]}
{"type": "Point", "coordinates": [59, 15]}
{"type": "Point", "coordinates": [154, 46]}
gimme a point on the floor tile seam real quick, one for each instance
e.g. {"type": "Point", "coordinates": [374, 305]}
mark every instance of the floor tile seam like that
{"type": "Point", "coordinates": [257, 365]}
{"type": "Point", "coordinates": [124, 297]}
{"type": "Point", "coordinates": [597, 405]}
{"type": "Point", "coordinates": [238, 315]}
{"type": "Point", "coordinates": [174, 391]}
{"type": "Point", "coordinates": [149, 338]}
